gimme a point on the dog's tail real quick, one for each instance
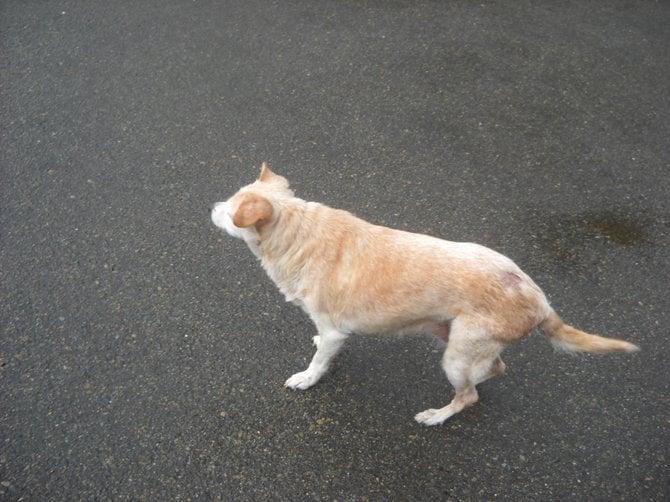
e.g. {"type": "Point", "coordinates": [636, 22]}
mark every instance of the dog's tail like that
{"type": "Point", "coordinates": [571, 339]}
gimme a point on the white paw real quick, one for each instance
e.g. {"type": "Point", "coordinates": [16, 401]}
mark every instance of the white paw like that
{"type": "Point", "coordinates": [301, 381]}
{"type": "Point", "coordinates": [316, 340]}
{"type": "Point", "coordinates": [431, 417]}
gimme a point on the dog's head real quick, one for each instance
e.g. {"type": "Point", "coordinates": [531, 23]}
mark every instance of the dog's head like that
{"type": "Point", "coordinates": [253, 206]}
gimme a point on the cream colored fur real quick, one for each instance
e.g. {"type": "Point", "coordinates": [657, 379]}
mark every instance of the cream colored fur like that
{"type": "Point", "coordinates": [351, 276]}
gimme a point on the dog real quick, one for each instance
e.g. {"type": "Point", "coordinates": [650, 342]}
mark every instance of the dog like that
{"type": "Point", "coordinates": [351, 276]}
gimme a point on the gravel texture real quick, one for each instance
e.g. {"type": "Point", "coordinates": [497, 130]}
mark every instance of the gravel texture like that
{"type": "Point", "coordinates": [143, 352]}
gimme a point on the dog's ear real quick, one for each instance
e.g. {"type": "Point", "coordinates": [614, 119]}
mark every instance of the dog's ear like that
{"type": "Point", "coordinates": [277, 181]}
{"type": "Point", "coordinates": [252, 210]}
{"type": "Point", "coordinates": [266, 174]}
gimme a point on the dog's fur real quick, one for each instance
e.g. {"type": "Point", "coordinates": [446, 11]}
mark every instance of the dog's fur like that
{"type": "Point", "coordinates": [354, 277]}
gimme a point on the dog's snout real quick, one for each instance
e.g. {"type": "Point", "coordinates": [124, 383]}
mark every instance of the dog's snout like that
{"type": "Point", "coordinates": [214, 206]}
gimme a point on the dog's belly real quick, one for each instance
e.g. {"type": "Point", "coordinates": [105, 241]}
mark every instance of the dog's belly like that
{"type": "Point", "coordinates": [440, 329]}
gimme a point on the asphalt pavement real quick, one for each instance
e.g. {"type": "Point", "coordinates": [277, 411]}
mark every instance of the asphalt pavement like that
{"type": "Point", "coordinates": [143, 352]}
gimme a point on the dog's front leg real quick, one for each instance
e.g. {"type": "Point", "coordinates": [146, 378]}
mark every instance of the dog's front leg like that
{"type": "Point", "coordinates": [328, 344]}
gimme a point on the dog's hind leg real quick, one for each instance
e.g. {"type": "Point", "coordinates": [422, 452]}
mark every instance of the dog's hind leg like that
{"type": "Point", "coordinates": [328, 344]}
{"type": "Point", "coordinates": [493, 368]}
{"type": "Point", "coordinates": [471, 358]}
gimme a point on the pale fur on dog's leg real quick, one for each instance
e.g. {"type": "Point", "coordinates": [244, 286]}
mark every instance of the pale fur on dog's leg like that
{"type": "Point", "coordinates": [328, 344]}
{"type": "Point", "coordinates": [471, 358]}
{"type": "Point", "coordinates": [464, 397]}
{"type": "Point", "coordinates": [495, 368]}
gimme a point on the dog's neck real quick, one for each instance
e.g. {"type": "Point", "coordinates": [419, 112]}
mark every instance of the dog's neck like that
{"type": "Point", "coordinates": [281, 244]}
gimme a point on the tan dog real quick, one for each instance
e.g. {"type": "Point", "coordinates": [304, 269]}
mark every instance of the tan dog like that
{"type": "Point", "coordinates": [354, 277]}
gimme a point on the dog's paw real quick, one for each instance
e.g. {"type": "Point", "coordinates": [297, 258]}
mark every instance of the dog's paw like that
{"type": "Point", "coordinates": [300, 381]}
{"type": "Point", "coordinates": [430, 417]}
{"type": "Point", "coordinates": [316, 340]}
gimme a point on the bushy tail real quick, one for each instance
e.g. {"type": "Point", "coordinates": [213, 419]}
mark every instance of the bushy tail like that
{"type": "Point", "coordinates": [573, 340]}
